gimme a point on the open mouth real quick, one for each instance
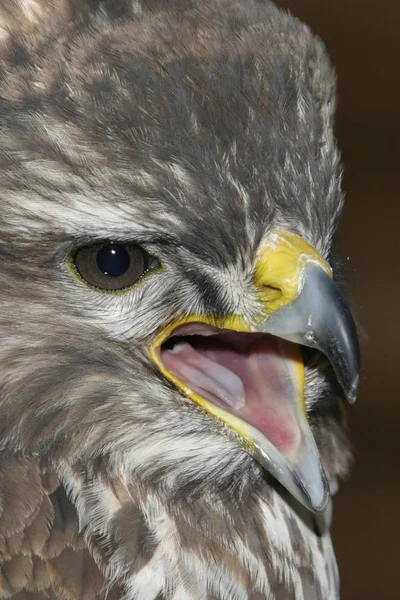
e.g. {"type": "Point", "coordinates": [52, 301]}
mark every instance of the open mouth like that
{"type": "Point", "coordinates": [255, 377]}
{"type": "Point", "coordinates": [254, 384]}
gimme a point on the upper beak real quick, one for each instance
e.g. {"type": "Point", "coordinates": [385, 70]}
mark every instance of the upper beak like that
{"type": "Point", "coordinates": [315, 313]}
{"type": "Point", "coordinates": [321, 319]}
{"type": "Point", "coordinates": [254, 384]}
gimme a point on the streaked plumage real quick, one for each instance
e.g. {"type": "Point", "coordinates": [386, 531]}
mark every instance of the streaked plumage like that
{"type": "Point", "coordinates": [194, 129]}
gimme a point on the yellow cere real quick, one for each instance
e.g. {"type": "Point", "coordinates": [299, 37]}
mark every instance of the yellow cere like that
{"type": "Point", "coordinates": [280, 268]}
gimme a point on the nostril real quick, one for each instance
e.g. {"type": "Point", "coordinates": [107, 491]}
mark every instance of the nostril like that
{"type": "Point", "coordinates": [271, 293]}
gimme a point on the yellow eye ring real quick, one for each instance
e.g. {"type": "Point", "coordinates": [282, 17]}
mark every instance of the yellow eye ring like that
{"type": "Point", "coordinates": [112, 267]}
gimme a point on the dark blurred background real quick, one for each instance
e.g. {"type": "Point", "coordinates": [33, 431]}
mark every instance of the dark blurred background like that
{"type": "Point", "coordinates": [363, 40]}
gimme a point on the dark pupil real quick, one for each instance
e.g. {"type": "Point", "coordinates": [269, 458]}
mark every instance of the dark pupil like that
{"type": "Point", "coordinates": [113, 260]}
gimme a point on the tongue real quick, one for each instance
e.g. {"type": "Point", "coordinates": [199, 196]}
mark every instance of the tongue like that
{"type": "Point", "coordinates": [205, 375]}
{"type": "Point", "coordinates": [258, 381]}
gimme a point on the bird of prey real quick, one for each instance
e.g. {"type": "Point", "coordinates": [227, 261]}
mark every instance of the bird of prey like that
{"type": "Point", "coordinates": [175, 348]}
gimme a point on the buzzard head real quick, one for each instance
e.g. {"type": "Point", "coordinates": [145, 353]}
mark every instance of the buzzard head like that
{"type": "Point", "coordinates": [170, 306]}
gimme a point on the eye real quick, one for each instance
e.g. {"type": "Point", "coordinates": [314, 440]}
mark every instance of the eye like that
{"type": "Point", "coordinates": [109, 266]}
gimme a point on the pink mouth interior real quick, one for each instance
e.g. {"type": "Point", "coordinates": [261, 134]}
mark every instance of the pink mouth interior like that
{"type": "Point", "coordinates": [253, 376]}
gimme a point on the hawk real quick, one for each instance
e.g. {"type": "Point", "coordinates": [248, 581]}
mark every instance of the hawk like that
{"type": "Point", "coordinates": [175, 346]}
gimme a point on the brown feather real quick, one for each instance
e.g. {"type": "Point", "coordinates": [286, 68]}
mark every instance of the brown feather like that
{"type": "Point", "coordinates": [42, 550]}
{"type": "Point", "coordinates": [74, 574]}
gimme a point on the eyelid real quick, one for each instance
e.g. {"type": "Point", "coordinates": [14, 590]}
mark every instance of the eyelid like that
{"type": "Point", "coordinates": [143, 240]}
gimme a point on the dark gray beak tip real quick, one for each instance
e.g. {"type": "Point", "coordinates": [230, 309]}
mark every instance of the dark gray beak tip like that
{"type": "Point", "coordinates": [352, 391]}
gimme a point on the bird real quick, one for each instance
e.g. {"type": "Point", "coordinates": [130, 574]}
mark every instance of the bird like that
{"type": "Point", "coordinates": [176, 346]}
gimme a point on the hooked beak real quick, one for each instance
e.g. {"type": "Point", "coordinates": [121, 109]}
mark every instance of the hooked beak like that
{"type": "Point", "coordinates": [321, 319]}
{"type": "Point", "coordinates": [252, 377]}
